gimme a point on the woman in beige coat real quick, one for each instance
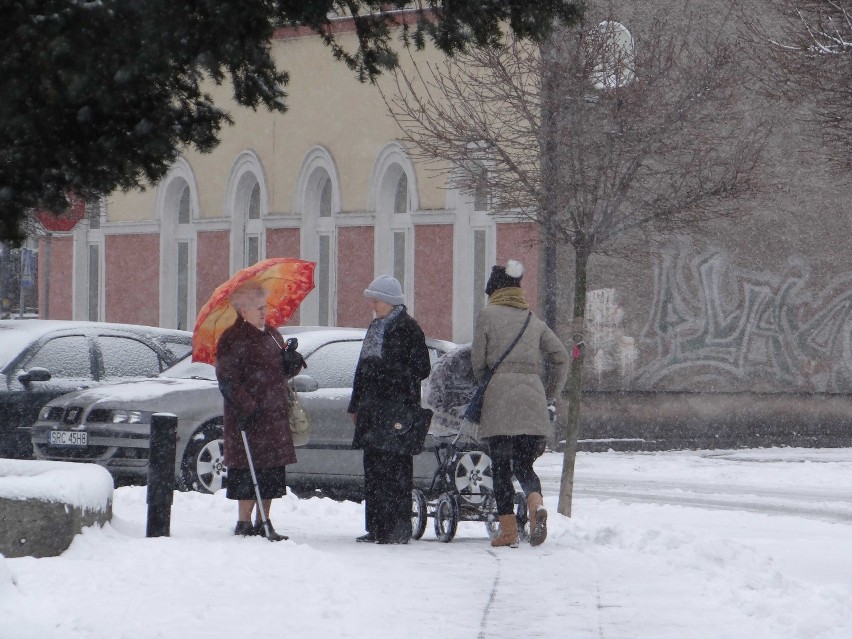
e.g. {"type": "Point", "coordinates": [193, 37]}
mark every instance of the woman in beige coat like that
{"type": "Point", "coordinates": [515, 417]}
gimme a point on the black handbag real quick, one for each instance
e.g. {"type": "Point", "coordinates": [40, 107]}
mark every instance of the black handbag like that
{"type": "Point", "coordinates": [395, 428]}
{"type": "Point", "coordinates": [473, 412]}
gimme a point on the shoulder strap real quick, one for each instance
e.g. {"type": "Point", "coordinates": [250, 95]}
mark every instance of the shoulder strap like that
{"type": "Point", "coordinates": [275, 339]}
{"type": "Point", "coordinates": [512, 345]}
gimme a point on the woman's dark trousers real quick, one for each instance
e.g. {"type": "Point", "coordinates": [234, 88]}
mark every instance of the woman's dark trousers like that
{"type": "Point", "coordinates": [388, 480]}
{"type": "Point", "coordinates": [514, 454]}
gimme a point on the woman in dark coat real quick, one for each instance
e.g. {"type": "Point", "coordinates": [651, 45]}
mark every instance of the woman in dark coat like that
{"type": "Point", "coordinates": [394, 360]}
{"type": "Point", "coordinates": [249, 367]}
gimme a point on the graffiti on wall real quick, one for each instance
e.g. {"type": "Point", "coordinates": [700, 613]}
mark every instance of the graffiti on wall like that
{"type": "Point", "coordinates": [613, 352]}
{"type": "Point", "coordinates": [717, 326]}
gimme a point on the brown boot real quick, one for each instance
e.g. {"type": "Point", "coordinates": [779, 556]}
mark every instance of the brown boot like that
{"type": "Point", "coordinates": [538, 519]}
{"type": "Point", "coordinates": [507, 534]}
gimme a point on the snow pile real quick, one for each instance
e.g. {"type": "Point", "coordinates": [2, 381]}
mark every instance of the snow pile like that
{"type": "Point", "coordinates": [87, 486]}
{"type": "Point", "coordinates": [735, 577]}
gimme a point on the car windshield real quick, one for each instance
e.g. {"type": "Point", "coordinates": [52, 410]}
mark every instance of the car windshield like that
{"type": "Point", "coordinates": [12, 342]}
{"type": "Point", "coordinates": [14, 338]}
{"type": "Point", "coordinates": [187, 369]}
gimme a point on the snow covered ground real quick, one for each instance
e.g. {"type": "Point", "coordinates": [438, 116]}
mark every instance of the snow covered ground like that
{"type": "Point", "coordinates": [719, 545]}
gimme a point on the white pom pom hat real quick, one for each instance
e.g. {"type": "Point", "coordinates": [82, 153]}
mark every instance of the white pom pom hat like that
{"type": "Point", "coordinates": [505, 276]}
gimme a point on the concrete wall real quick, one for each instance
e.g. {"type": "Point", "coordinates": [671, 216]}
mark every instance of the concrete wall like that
{"type": "Point", "coordinates": [635, 420]}
{"type": "Point", "coordinates": [43, 505]}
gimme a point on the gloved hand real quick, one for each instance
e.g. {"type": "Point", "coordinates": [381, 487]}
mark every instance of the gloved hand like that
{"type": "Point", "coordinates": [551, 409]}
{"type": "Point", "coordinates": [293, 361]}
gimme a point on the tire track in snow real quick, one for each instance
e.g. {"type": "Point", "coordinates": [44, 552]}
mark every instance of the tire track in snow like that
{"type": "Point", "coordinates": [518, 607]}
{"type": "Point", "coordinates": [484, 622]}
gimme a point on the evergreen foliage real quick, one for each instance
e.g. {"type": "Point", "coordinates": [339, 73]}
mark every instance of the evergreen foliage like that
{"type": "Point", "coordinates": [106, 94]}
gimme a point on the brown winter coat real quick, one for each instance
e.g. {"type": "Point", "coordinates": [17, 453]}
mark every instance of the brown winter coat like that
{"type": "Point", "coordinates": [515, 400]}
{"type": "Point", "coordinates": [249, 367]}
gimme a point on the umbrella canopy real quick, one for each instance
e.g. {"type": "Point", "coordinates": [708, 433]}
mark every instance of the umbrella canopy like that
{"type": "Point", "coordinates": [287, 282]}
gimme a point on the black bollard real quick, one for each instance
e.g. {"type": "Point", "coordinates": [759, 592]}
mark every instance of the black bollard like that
{"type": "Point", "coordinates": [161, 473]}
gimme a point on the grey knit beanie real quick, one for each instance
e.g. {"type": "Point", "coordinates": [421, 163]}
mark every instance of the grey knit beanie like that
{"type": "Point", "coordinates": [387, 289]}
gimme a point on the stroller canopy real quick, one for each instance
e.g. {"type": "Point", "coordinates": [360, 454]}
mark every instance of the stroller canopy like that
{"type": "Point", "coordinates": [448, 390]}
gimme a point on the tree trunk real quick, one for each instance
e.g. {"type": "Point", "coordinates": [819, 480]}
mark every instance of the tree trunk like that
{"type": "Point", "coordinates": [575, 381]}
{"type": "Point", "coordinates": [5, 278]}
{"type": "Point", "coordinates": [547, 144]}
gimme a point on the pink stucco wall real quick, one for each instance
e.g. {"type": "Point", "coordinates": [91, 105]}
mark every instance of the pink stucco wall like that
{"type": "Point", "coordinates": [284, 243]}
{"type": "Point", "coordinates": [354, 274]}
{"type": "Point", "coordinates": [132, 279]}
{"type": "Point", "coordinates": [60, 271]}
{"type": "Point", "coordinates": [212, 253]}
{"type": "Point", "coordinates": [433, 279]}
{"type": "Point", "coordinates": [520, 242]}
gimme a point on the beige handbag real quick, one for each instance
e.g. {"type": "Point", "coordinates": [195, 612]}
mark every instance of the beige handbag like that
{"type": "Point", "coordinates": [300, 421]}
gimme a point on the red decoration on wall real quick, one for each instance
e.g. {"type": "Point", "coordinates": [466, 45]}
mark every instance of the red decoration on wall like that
{"type": "Point", "coordinates": [66, 220]}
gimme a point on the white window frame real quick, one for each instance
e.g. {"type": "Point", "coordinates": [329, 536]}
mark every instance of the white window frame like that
{"type": "Point", "coordinates": [393, 161]}
{"type": "Point", "coordinates": [84, 236]}
{"type": "Point", "coordinates": [171, 232]}
{"type": "Point", "coordinates": [246, 171]}
{"type": "Point", "coordinates": [467, 221]}
{"type": "Point", "coordinates": [317, 167]}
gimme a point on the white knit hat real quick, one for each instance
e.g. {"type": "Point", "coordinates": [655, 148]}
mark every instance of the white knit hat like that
{"type": "Point", "coordinates": [386, 289]}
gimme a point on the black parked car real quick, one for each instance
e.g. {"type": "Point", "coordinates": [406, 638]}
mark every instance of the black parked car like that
{"type": "Point", "coordinates": [42, 359]}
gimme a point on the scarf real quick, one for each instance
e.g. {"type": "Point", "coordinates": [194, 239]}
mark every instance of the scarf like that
{"type": "Point", "coordinates": [375, 337]}
{"type": "Point", "coordinates": [510, 296]}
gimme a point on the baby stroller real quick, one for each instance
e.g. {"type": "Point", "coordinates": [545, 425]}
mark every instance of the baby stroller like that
{"type": "Point", "coordinates": [462, 487]}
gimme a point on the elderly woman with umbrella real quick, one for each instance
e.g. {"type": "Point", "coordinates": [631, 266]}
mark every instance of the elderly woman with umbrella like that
{"type": "Point", "coordinates": [252, 366]}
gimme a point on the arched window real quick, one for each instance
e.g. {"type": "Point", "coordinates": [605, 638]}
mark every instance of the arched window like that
{"type": "Point", "coordinates": [400, 199]}
{"type": "Point", "coordinates": [318, 200]}
{"type": "Point", "coordinates": [393, 195]}
{"type": "Point", "coordinates": [177, 205]}
{"type": "Point", "coordinates": [254, 203]}
{"type": "Point", "coordinates": [246, 205]}
{"type": "Point", "coordinates": [325, 198]}
{"type": "Point", "coordinates": [184, 214]}
{"type": "Point", "coordinates": [482, 190]}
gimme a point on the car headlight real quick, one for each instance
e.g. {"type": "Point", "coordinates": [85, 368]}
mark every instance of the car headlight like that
{"type": "Point", "coordinates": [130, 417]}
{"type": "Point", "coordinates": [50, 414]}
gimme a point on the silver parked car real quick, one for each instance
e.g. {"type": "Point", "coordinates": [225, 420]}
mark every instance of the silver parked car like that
{"type": "Point", "coordinates": [43, 359]}
{"type": "Point", "coordinates": [110, 425]}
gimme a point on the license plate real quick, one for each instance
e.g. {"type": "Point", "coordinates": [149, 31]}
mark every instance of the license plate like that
{"type": "Point", "coordinates": [68, 438]}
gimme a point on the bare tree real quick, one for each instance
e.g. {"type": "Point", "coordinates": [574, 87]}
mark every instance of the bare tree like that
{"type": "Point", "coordinates": [600, 135]}
{"type": "Point", "coordinates": [805, 50]}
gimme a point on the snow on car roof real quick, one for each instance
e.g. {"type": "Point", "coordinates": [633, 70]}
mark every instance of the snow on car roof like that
{"type": "Point", "coordinates": [15, 335]}
{"type": "Point", "coordinates": [312, 337]}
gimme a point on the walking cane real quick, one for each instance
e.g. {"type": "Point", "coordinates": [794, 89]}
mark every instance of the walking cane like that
{"type": "Point", "coordinates": [271, 535]}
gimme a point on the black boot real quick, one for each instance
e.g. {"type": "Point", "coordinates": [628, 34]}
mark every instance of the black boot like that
{"type": "Point", "coordinates": [245, 529]}
{"type": "Point", "coordinates": [368, 538]}
{"type": "Point", "coordinates": [260, 529]}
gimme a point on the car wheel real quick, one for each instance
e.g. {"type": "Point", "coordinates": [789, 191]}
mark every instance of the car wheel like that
{"type": "Point", "coordinates": [446, 517]}
{"type": "Point", "coordinates": [203, 467]}
{"type": "Point", "coordinates": [418, 513]}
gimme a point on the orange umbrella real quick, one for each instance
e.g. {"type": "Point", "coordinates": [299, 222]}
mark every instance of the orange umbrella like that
{"type": "Point", "coordinates": [287, 280]}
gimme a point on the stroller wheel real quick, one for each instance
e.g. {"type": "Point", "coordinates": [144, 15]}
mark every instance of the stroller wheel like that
{"type": "Point", "coordinates": [520, 514]}
{"type": "Point", "coordinates": [472, 477]}
{"type": "Point", "coordinates": [446, 517]}
{"type": "Point", "coordinates": [418, 513]}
